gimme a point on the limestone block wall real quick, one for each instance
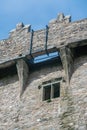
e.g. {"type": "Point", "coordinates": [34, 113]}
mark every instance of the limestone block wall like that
{"type": "Point", "coordinates": [78, 88]}
{"type": "Point", "coordinates": [60, 32]}
{"type": "Point", "coordinates": [16, 45]}
{"type": "Point", "coordinates": [29, 112]}
{"type": "Point", "coordinates": [68, 112]}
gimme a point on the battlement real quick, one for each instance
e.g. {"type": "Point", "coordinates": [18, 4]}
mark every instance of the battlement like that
{"type": "Point", "coordinates": [59, 32]}
{"type": "Point", "coordinates": [48, 94]}
{"type": "Point", "coordinates": [60, 19]}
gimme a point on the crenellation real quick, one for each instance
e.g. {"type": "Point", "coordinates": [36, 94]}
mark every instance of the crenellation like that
{"type": "Point", "coordinates": [19, 26]}
{"type": "Point", "coordinates": [61, 19]}
{"type": "Point", "coordinates": [67, 19]}
{"type": "Point", "coordinates": [59, 34]}
{"type": "Point", "coordinates": [38, 93]}
{"type": "Point", "coordinates": [20, 29]}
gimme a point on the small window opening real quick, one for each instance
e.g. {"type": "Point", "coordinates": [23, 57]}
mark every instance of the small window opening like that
{"type": "Point", "coordinates": [47, 91]}
{"type": "Point", "coordinates": [56, 90]}
{"type": "Point", "coordinates": [51, 91]}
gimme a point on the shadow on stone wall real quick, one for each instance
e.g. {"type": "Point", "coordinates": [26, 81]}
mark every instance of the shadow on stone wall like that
{"type": "Point", "coordinates": [79, 61]}
{"type": "Point", "coordinates": [8, 71]}
{"type": "Point", "coordinates": [6, 74]}
{"type": "Point", "coordinates": [41, 70]}
{"type": "Point", "coordinates": [8, 80]}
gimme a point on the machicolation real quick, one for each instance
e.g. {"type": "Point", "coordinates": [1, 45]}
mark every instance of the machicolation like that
{"type": "Point", "coordinates": [43, 77]}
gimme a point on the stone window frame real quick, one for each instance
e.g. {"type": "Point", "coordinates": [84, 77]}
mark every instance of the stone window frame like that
{"type": "Point", "coordinates": [51, 83]}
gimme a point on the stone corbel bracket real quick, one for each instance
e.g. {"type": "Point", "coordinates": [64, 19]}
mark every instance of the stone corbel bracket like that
{"type": "Point", "coordinates": [67, 59]}
{"type": "Point", "coordinates": [23, 73]}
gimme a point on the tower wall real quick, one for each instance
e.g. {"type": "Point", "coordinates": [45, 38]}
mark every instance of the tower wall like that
{"type": "Point", "coordinates": [53, 93]}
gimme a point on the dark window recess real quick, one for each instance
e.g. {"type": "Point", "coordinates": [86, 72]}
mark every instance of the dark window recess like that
{"type": "Point", "coordinates": [47, 92]}
{"type": "Point", "coordinates": [51, 91]}
{"type": "Point", "coordinates": [56, 90]}
{"type": "Point", "coordinates": [8, 71]}
{"type": "Point", "coordinates": [80, 51]}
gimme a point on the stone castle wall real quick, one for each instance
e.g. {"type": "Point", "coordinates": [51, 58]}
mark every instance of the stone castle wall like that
{"type": "Point", "coordinates": [21, 95]}
{"type": "Point", "coordinates": [60, 33]}
{"type": "Point", "coordinates": [67, 112]}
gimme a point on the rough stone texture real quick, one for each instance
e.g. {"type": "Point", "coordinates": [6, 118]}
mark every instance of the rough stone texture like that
{"type": "Point", "coordinates": [29, 112]}
{"type": "Point", "coordinates": [60, 33]}
{"type": "Point", "coordinates": [68, 112]}
{"type": "Point", "coordinates": [67, 61]}
{"type": "Point", "coordinates": [16, 46]}
{"type": "Point", "coordinates": [78, 88]}
{"type": "Point", "coordinates": [23, 73]}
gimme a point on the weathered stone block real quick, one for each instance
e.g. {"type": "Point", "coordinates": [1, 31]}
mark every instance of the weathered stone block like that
{"type": "Point", "coordinates": [23, 73]}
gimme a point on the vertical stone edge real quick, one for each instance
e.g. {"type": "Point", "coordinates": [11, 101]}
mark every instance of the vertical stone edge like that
{"type": "Point", "coordinates": [23, 73]}
{"type": "Point", "coordinates": [67, 61]}
{"type": "Point", "coordinates": [66, 119]}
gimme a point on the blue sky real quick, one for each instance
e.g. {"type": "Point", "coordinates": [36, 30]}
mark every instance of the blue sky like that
{"type": "Point", "coordinates": [37, 12]}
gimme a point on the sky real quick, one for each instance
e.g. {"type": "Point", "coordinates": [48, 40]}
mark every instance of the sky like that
{"type": "Point", "coordinates": [38, 13]}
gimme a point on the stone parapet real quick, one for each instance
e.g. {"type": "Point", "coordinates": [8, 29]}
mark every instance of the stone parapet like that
{"type": "Point", "coordinates": [61, 32]}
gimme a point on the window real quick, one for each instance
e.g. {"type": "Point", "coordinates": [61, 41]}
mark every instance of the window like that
{"type": "Point", "coordinates": [51, 90]}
